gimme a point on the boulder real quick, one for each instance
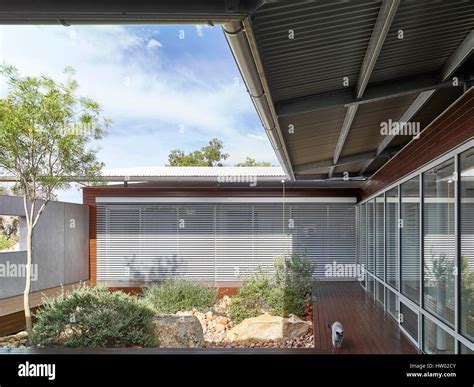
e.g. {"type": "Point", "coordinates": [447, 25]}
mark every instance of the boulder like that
{"type": "Point", "coordinates": [222, 320]}
{"type": "Point", "coordinates": [178, 331]}
{"type": "Point", "coordinates": [269, 328]}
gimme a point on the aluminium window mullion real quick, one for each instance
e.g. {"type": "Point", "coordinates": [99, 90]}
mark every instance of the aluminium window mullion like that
{"type": "Point", "coordinates": [385, 250]}
{"type": "Point", "coordinates": [399, 250]}
{"type": "Point", "coordinates": [457, 250]}
{"type": "Point", "coordinates": [421, 258]}
{"type": "Point", "coordinates": [399, 237]}
{"type": "Point", "coordinates": [374, 246]}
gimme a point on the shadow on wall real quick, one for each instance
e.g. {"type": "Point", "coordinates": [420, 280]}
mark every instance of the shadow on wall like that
{"type": "Point", "coordinates": [164, 267]}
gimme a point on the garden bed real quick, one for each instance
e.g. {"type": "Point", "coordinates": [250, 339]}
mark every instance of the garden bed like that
{"type": "Point", "coordinates": [269, 311]}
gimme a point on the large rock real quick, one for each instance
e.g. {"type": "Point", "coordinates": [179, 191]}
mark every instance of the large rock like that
{"type": "Point", "coordinates": [269, 328]}
{"type": "Point", "coordinates": [178, 331]}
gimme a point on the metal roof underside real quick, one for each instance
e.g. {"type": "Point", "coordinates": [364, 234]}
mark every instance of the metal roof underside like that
{"type": "Point", "coordinates": [421, 46]}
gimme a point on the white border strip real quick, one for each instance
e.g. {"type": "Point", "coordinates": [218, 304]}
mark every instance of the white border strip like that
{"type": "Point", "coordinates": [174, 199]}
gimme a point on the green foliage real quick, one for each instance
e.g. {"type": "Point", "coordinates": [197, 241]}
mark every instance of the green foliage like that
{"type": "Point", "coordinates": [253, 297]}
{"type": "Point", "coordinates": [6, 243]}
{"type": "Point", "coordinates": [282, 293]}
{"type": "Point", "coordinates": [94, 317]}
{"type": "Point", "coordinates": [249, 162]}
{"type": "Point", "coordinates": [467, 286]}
{"type": "Point", "coordinates": [295, 272]}
{"type": "Point", "coordinates": [286, 300]}
{"type": "Point", "coordinates": [209, 156]}
{"type": "Point", "coordinates": [176, 295]}
{"type": "Point", "coordinates": [45, 130]}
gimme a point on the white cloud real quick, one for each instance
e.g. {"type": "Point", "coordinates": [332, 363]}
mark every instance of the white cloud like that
{"type": "Point", "coordinates": [200, 29]}
{"type": "Point", "coordinates": [257, 137]}
{"type": "Point", "coordinates": [137, 88]}
{"type": "Point", "coordinates": [153, 43]}
{"type": "Point", "coordinates": [148, 102]}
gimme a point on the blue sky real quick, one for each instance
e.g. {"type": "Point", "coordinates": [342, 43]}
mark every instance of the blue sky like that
{"type": "Point", "coordinates": [164, 87]}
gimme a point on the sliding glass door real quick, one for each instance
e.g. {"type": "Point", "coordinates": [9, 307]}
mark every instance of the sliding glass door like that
{"type": "Point", "coordinates": [466, 163]}
{"type": "Point", "coordinates": [417, 239]}
{"type": "Point", "coordinates": [392, 236]}
{"type": "Point", "coordinates": [439, 241]}
{"type": "Point", "coordinates": [410, 239]}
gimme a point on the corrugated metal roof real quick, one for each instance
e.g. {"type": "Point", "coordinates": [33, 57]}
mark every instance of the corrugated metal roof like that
{"type": "Point", "coordinates": [431, 33]}
{"type": "Point", "coordinates": [365, 132]}
{"type": "Point", "coordinates": [321, 128]}
{"type": "Point", "coordinates": [194, 172]}
{"type": "Point", "coordinates": [329, 44]}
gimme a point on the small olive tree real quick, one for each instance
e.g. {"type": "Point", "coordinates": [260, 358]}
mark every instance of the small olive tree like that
{"type": "Point", "coordinates": [45, 133]}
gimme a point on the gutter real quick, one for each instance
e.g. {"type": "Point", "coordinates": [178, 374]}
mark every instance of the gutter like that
{"type": "Point", "coordinates": [251, 70]}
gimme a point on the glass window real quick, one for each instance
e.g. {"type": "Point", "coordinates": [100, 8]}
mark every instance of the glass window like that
{"type": "Point", "coordinates": [436, 339]}
{"type": "Point", "coordinates": [410, 239]}
{"type": "Point", "coordinates": [363, 237]}
{"type": "Point", "coordinates": [379, 291]}
{"type": "Point", "coordinates": [370, 285]}
{"type": "Point", "coordinates": [379, 236]}
{"type": "Point", "coordinates": [465, 350]}
{"type": "Point", "coordinates": [409, 320]}
{"type": "Point", "coordinates": [392, 236]}
{"type": "Point", "coordinates": [370, 236]}
{"type": "Point", "coordinates": [392, 304]}
{"type": "Point", "coordinates": [467, 243]}
{"type": "Point", "coordinates": [439, 241]}
{"type": "Point", "coordinates": [357, 230]}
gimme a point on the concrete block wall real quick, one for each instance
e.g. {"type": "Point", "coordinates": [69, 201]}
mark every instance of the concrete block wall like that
{"type": "Point", "coordinates": [60, 246]}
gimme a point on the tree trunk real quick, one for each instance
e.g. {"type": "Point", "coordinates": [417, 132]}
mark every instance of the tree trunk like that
{"type": "Point", "coordinates": [26, 293]}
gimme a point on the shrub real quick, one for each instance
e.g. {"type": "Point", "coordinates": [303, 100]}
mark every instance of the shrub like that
{"type": "Point", "coordinates": [178, 295]}
{"type": "Point", "coordinates": [252, 298]}
{"type": "Point", "coordinates": [283, 293]}
{"type": "Point", "coordinates": [94, 317]}
{"type": "Point", "coordinates": [6, 243]}
{"type": "Point", "coordinates": [295, 272]}
{"type": "Point", "coordinates": [283, 301]}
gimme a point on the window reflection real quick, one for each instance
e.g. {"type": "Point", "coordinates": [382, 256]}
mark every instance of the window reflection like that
{"type": "Point", "coordinates": [439, 241]}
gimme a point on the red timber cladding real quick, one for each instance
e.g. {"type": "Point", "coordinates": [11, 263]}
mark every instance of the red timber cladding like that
{"type": "Point", "coordinates": [90, 194]}
{"type": "Point", "coordinates": [90, 201]}
{"type": "Point", "coordinates": [452, 128]}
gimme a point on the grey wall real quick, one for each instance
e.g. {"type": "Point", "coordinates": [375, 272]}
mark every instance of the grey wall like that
{"type": "Point", "coordinates": [60, 246]}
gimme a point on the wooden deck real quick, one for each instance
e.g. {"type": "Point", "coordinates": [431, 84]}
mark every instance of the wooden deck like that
{"type": "Point", "coordinates": [12, 316]}
{"type": "Point", "coordinates": [367, 330]}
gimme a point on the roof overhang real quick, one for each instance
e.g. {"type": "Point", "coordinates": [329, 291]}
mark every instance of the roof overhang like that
{"type": "Point", "coordinates": [328, 76]}
{"type": "Point", "coordinates": [323, 76]}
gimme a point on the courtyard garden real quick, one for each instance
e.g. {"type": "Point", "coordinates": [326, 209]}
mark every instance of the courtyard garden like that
{"type": "Point", "coordinates": [273, 308]}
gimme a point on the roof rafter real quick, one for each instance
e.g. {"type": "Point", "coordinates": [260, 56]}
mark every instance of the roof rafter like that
{"type": "Point", "coordinates": [463, 51]}
{"type": "Point", "coordinates": [385, 17]}
{"type": "Point", "coordinates": [345, 160]}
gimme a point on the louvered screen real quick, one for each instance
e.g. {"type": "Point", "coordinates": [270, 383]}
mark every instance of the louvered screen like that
{"type": "Point", "coordinates": [235, 252]}
{"type": "Point", "coordinates": [219, 241]}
